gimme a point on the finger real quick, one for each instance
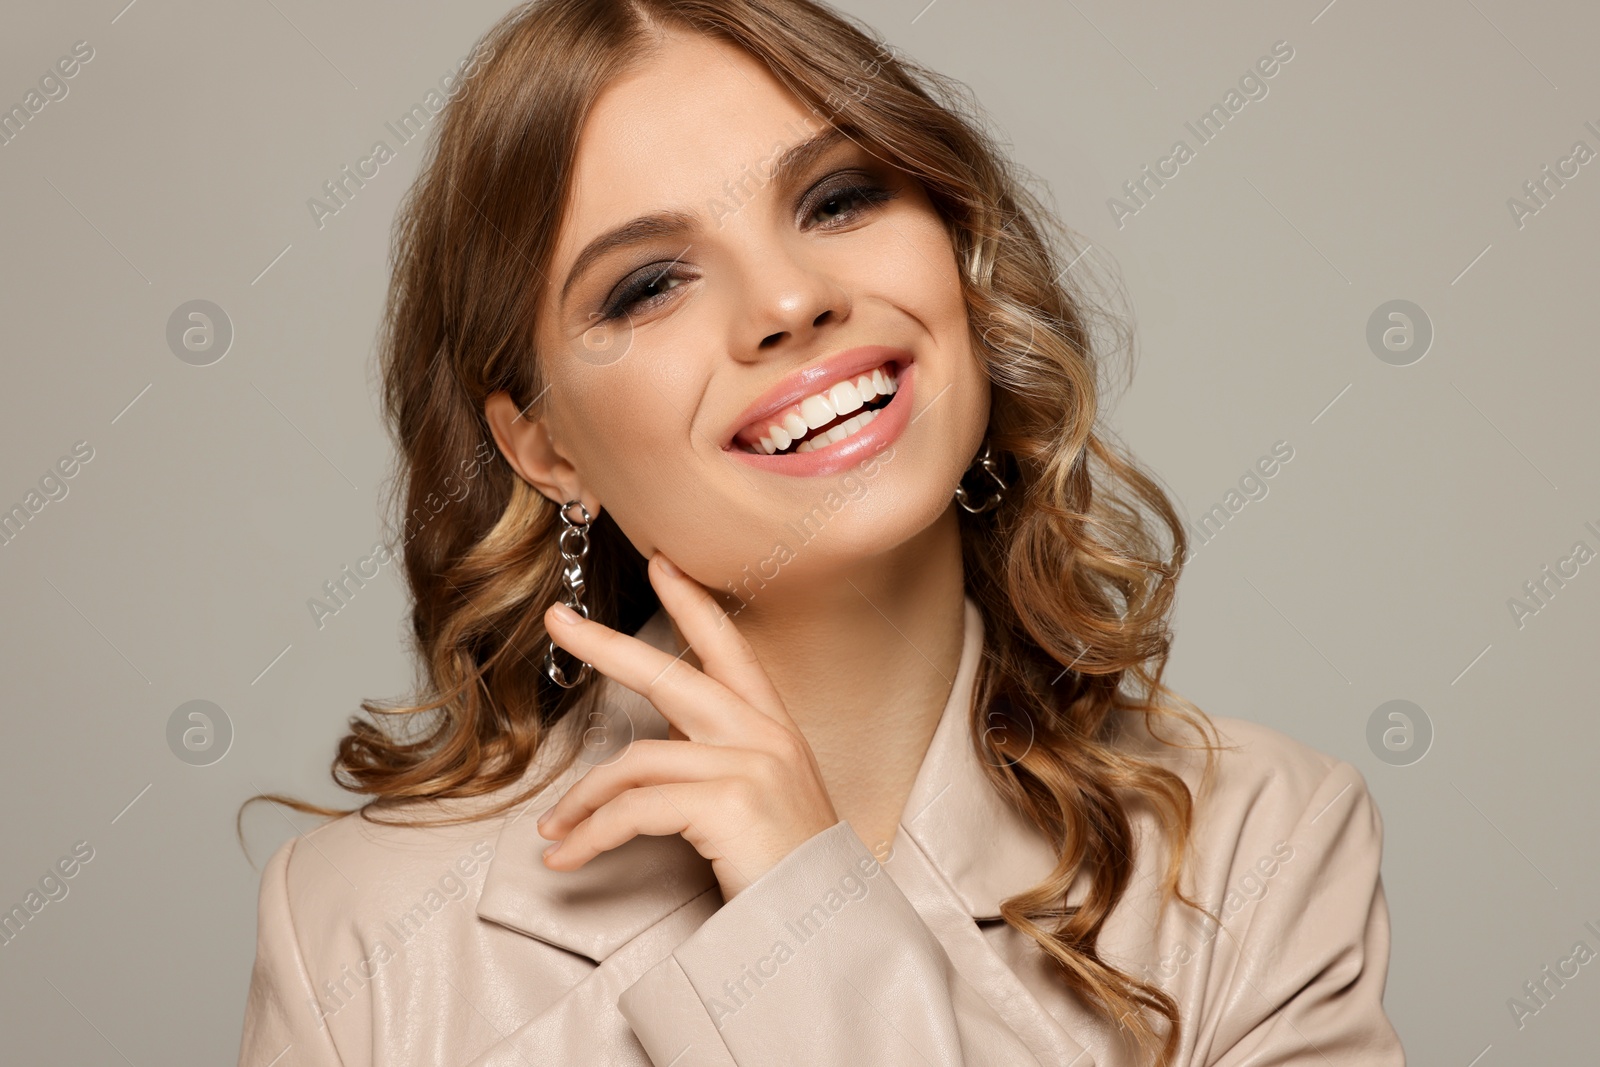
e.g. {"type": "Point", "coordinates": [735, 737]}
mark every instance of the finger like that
{"type": "Point", "coordinates": [648, 761]}
{"type": "Point", "coordinates": [653, 810]}
{"type": "Point", "coordinates": [700, 706]}
{"type": "Point", "coordinates": [725, 654]}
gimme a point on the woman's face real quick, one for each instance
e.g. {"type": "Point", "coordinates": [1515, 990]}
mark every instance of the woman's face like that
{"type": "Point", "coordinates": [660, 348]}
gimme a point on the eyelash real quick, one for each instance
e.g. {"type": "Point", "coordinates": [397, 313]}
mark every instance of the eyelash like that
{"type": "Point", "coordinates": [864, 193]}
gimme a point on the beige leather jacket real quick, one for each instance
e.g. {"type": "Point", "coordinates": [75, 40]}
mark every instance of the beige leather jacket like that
{"type": "Point", "coordinates": [456, 945]}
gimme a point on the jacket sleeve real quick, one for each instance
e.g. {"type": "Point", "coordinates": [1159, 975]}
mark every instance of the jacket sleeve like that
{"type": "Point", "coordinates": [822, 960]}
{"type": "Point", "coordinates": [1308, 975]}
{"type": "Point", "coordinates": [282, 1023]}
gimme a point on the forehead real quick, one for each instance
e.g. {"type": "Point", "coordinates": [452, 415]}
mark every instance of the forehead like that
{"type": "Point", "coordinates": [670, 133]}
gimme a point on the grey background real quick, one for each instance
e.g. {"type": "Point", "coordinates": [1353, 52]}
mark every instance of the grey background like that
{"type": "Point", "coordinates": [1379, 566]}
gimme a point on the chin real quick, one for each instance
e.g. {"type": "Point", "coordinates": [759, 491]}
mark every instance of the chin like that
{"type": "Point", "coordinates": [855, 517]}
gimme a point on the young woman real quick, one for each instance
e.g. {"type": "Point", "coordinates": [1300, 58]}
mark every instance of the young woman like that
{"type": "Point", "coordinates": [855, 749]}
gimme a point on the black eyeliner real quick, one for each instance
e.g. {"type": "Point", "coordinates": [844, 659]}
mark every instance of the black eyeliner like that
{"type": "Point", "coordinates": [859, 186]}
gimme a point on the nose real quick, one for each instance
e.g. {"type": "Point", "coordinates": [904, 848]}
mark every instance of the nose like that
{"type": "Point", "coordinates": [792, 298]}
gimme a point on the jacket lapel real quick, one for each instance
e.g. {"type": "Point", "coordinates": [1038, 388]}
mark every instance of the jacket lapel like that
{"type": "Point", "coordinates": [968, 851]}
{"type": "Point", "coordinates": [622, 892]}
{"type": "Point", "coordinates": [982, 849]}
{"type": "Point", "coordinates": [985, 850]}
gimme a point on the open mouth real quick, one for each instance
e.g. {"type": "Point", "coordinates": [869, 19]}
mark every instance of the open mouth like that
{"type": "Point", "coordinates": [838, 412]}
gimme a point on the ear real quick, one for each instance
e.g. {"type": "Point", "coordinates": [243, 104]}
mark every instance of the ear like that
{"type": "Point", "coordinates": [534, 454]}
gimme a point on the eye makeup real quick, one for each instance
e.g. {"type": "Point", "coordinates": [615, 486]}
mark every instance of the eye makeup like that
{"type": "Point", "coordinates": [850, 194]}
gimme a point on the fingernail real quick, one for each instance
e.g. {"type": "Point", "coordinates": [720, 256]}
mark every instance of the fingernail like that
{"type": "Point", "coordinates": [540, 820]}
{"type": "Point", "coordinates": [567, 615]}
{"type": "Point", "coordinates": [667, 565]}
{"type": "Point", "coordinates": [552, 848]}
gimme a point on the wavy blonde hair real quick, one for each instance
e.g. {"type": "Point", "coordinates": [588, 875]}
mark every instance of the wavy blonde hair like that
{"type": "Point", "coordinates": [1072, 581]}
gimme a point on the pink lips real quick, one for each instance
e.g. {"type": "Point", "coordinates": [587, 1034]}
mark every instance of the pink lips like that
{"type": "Point", "coordinates": [813, 379]}
{"type": "Point", "coordinates": [880, 433]}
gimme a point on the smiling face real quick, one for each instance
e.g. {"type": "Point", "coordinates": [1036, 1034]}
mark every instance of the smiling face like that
{"type": "Point", "coordinates": [740, 309]}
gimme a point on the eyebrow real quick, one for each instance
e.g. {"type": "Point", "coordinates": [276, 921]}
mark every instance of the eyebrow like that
{"type": "Point", "coordinates": [664, 224]}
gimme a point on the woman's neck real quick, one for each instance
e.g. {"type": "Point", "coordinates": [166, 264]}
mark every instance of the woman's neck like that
{"type": "Point", "coordinates": [864, 661]}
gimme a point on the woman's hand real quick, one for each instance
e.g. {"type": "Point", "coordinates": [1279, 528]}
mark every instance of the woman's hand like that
{"type": "Point", "coordinates": [735, 777]}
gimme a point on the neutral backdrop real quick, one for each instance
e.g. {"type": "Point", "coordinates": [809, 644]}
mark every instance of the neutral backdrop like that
{"type": "Point", "coordinates": [1383, 562]}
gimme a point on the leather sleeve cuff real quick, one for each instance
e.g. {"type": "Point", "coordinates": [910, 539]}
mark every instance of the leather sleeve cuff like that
{"type": "Point", "coordinates": [822, 957]}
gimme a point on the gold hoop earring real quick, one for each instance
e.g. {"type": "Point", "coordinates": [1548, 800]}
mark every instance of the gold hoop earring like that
{"type": "Point", "coordinates": [987, 463]}
{"type": "Point", "coordinates": [574, 550]}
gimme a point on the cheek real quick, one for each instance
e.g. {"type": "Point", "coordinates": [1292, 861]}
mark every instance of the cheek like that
{"type": "Point", "coordinates": [927, 278]}
{"type": "Point", "coordinates": [625, 434]}
{"type": "Point", "coordinates": [916, 270]}
{"type": "Point", "coordinates": [914, 266]}
{"type": "Point", "coordinates": [618, 429]}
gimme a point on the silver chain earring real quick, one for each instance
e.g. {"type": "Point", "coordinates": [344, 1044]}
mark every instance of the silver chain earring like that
{"type": "Point", "coordinates": [992, 469]}
{"type": "Point", "coordinates": [574, 549]}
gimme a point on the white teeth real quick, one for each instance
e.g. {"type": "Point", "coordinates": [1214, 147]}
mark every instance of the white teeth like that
{"type": "Point", "coordinates": [817, 411]}
{"type": "Point", "coordinates": [822, 408]}
{"type": "Point", "coordinates": [844, 397]}
{"type": "Point", "coordinates": [838, 433]}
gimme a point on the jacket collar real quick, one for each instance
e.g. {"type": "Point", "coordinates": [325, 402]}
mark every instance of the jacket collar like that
{"type": "Point", "coordinates": [984, 849]}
